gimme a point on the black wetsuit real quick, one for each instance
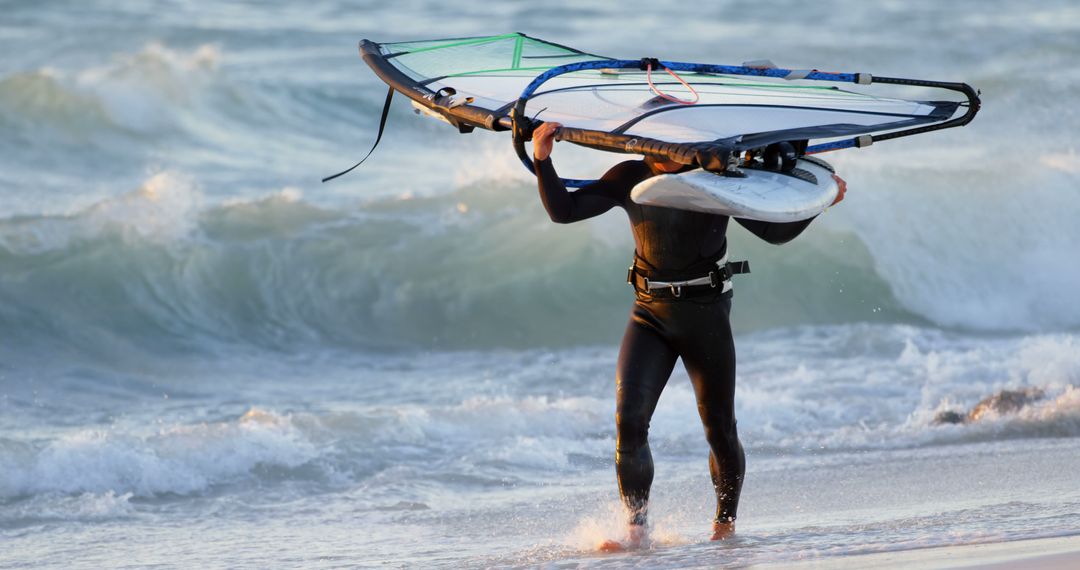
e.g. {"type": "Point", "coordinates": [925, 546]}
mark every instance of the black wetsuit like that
{"type": "Point", "coordinates": [670, 245]}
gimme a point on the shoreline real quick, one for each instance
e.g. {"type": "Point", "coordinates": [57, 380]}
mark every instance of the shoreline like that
{"type": "Point", "coordinates": [1056, 553]}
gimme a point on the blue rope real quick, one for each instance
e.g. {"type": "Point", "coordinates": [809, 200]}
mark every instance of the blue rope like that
{"type": "Point", "coordinates": [826, 147]}
{"type": "Point", "coordinates": [576, 183]}
{"type": "Point", "coordinates": [681, 66]}
{"type": "Point", "coordinates": [758, 71]}
{"type": "Point", "coordinates": [568, 182]}
{"type": "Point", "coordinates": [572, 67]}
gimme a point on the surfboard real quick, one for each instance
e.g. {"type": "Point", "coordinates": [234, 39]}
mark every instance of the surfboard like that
{"type": "Point", "coordinates": [768, 195]}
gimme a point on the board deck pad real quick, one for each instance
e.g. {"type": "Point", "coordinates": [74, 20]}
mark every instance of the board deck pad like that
{"type": "Point", "coordinates": [762, 195]}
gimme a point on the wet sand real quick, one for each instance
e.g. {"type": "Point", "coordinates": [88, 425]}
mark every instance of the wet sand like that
{"type": "Point", "coordinates": [1058, 553]}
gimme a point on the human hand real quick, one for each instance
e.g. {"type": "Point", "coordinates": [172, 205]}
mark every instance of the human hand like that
{"type": "Point", "coordinates": [543, 139]}
{"type": "Point", "coordinates": [843, 188]}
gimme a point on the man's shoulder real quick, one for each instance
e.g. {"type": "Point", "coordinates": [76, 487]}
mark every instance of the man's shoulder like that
{"type": "Point", "coordinates": [628, 171]}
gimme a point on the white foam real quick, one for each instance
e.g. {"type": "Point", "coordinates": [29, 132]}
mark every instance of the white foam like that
{"type": "Point", "coordinates": [95, 507]}
{"type": "Point", "coordinates": [1067, 162]}
{"type": "Point", "coordinates": [596, 528]}
{"type": "Point", "coordinates": [607, 522]}
{"type": "Point", "coordinates": [142, 91]}
{"type": "Point", "coordinates": [538, 432]}
{"type": "Point", "coordinates": [287, 195]}
{"type": "Point", "coordinates": [180, 459]}
{"type": "Point", "coordinates": [799, 391]}
{"type": "Point", "coordinates": [888, 397]}
{"type": "Point", "coordinates": [163, 209]}
{"type": "Point", "coordinates": [970, 237]}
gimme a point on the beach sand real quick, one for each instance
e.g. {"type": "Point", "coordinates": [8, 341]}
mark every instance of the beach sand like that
{"type": "Point", "coordinates": [1060, 553]}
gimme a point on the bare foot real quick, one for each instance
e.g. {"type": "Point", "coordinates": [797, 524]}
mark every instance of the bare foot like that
{"type": "Point", "coordinates": [636, 536]}
{"type": "Point", "coordinates": [722, 530]}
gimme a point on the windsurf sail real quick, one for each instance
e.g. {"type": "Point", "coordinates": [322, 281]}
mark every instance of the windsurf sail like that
{"type": "Point", "coordinates": [699, 114]}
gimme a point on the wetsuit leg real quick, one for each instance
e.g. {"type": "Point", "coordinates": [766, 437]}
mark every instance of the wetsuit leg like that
{"type": "Point", "coordinates": [708, 352]}
{"type": "Point", "coordinates": [645, 364]}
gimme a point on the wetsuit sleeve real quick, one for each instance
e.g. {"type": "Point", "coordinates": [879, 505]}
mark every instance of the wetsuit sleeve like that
{"type": "Point", "coordinates": [775, 232]}
{"type": "Point", "coordinates": [588, 201]}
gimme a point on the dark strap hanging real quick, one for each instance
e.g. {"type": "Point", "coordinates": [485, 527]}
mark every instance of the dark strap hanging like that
{"type": "Point", "coordinates": [735, 268]}
{"type": "Point", "coordinates": [382, 125]}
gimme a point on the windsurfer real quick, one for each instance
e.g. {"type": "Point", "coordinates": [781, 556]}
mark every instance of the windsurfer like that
{"type": "Point", "coordinates": [689, 322]}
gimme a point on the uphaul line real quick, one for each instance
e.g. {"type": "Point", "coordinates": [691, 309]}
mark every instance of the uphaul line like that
{"type": "Point", "coordinates": [614, 105]}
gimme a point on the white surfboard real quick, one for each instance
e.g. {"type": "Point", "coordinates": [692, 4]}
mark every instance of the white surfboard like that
{"type": "Point", "coordinates": [762, 195]}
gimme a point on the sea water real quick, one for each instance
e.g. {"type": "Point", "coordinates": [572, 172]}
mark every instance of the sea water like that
{"type": "Point", "coordinates": [208, 358]}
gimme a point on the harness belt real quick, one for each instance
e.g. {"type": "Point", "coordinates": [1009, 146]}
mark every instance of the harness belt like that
{"type": "Point", "coordinates": [719, 278]}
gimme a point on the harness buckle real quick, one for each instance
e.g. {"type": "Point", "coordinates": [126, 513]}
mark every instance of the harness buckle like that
{"type": "Point", "coordinates": [676, 290]}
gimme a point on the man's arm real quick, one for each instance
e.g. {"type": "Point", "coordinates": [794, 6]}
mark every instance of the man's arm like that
{"type": "Point", "coordinates": [588, 201]}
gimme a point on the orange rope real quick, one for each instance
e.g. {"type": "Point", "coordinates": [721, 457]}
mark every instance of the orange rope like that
{"type": "Point", "coordinates": [648, 77]}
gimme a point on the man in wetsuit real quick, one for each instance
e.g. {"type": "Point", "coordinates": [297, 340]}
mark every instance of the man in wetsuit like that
{"type": "Point", "coordinates": [667, 323]}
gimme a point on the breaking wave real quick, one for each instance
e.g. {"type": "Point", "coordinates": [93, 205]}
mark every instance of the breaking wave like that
{"type": "Point", "coordinates": [141, 92]}
{"type": "Point", "coordinates": [866, 388]}
{"type": "Point", "coordinates": [112, 465]}
{"type": "Point", "coordinates": [160, 268]}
